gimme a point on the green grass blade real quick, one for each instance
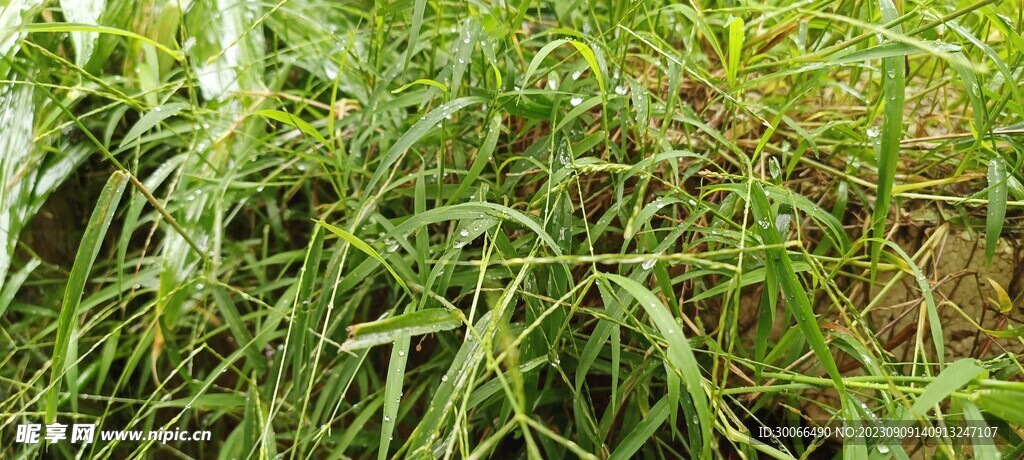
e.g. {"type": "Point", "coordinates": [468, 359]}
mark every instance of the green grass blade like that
{"type": "Point", "coordinates": [984, 446]}
{"type": "Point", "coordinates": [893, 87]}
{"type": "Point", "coordinates": [736, 35]}
{"type": "Point", "coordinates": [483, 155]}
{"type": "Point", "coordinates": [365, 248]}
{"type": "Point", "coordinates": [453, 382]}
{"type": "Point", "coordinates": [151, 119]}
{"type": "Point", "coordinates": [87, 252]}
{"type": "Point", "coordinates": [63, 27]}
{"type": "Point", "coordinates": [418, 130]}
{"type": "Point", "coordinates": [14, 283]}
{"type": "Point", "coordinates": [433, 320]}
{"type": "Point", "coordinates": [952, 378]}
{"type": "Point", "coordinates": [1005, 404]}
{"type": "Point", "coordinates": [292, 120]}
{"type": "Point", "coordinates": [997, 192]}
{"type": "Point", "coordinates": [679, 355]}
{"type": "Point", "coordinates": [393, 393]}
{"type": "Point", "coordinates": [934, 320]}
{"type": "Point", "coordinates": [643, 431]}
{"type": "Point", "coordinates": [792, 289]}
{"type": "Point", "coordinates": [83, 12]}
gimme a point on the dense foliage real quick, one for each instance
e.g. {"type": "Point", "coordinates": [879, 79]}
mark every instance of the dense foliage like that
{"type": "Point", "coordinates": [510, 228]}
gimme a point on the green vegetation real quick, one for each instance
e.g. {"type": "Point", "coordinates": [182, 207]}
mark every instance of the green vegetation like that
{"type": "Point", "coordinates": [511, 228]}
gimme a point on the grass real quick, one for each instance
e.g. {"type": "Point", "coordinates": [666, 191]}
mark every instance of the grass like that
{"type": "Point", "coordinates": [511, 229]}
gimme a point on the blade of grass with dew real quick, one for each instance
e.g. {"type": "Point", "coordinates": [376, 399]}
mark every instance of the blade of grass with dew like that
{"type": "Point", "coordinates": [453, 383]}
{"type": "Point", "coordinates": [87, 253]}
{"type": "Point", "coordinates": [483, 155]}
{"type": "Point", "coordinates": [393, 393]}
{"type": "Point", "coordinates": [366, 249]}
{"type": "Point", "coordinates": [792, 289]}
{"type": "Point", "coordinates": [679, 355]}
{"type": "Point", "coordinates": [418, 130]}
{"type": "Point", "coordinates": [469, 33]}
{"type": "Point", "coordinates": [430, 321]}
{"type": "Point", "coordinates": [582, 48]}
{"type": "Point", "coordinates": [893, 87]}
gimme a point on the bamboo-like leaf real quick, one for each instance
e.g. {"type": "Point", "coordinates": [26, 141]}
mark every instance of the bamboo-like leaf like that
{"type": "Point", "coordinates": [151, 119]}
{"type": "Point", "coordinates": [1002, 302]}
{"type": "Point", "coordinates": [951, 379]}
{"type": "Point", "coordinates": [997, 191]}
{"type": "Point", "coordinates": [292, 120]}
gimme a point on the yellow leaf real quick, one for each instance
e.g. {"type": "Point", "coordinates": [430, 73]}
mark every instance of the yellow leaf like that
{"type": "Point", "coordinates": [1002, 301]}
